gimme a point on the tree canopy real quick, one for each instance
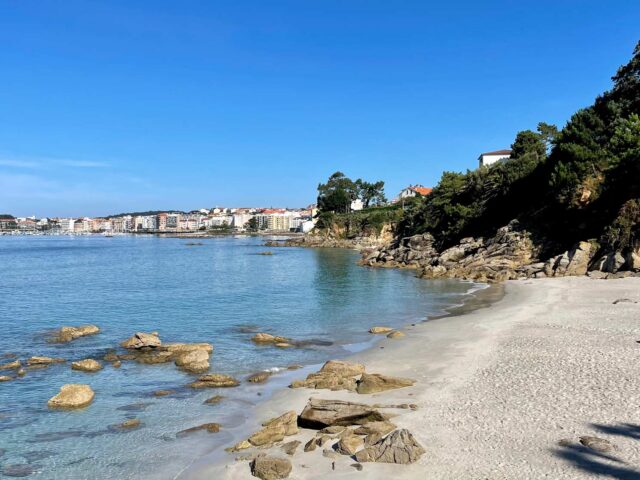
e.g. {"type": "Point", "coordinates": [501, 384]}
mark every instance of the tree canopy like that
{"type": "Point", "coordinates": [337, 194]}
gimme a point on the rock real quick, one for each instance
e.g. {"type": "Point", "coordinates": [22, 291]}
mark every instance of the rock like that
{"type": "Point", "coordinates": [267, 436]}
{"type": "Point", "coordinates": [196, 361]}
{"type": "Point", "coordinates": [396, 334]}
{"type": "Point", "coordinates": [72, 396]}
{"type": "Point", "coordinates": [320, 413]}
{"type": "Point", "coordinates": [215, 380]}
{"type": "Point", "coordinates": [597, 444]}
{"type": "Point", "coordinates": [44, 361]}
{"type": "Point", "coordinates": [270, 468]}
{"type": "Point", "coordinates": [357, 466]}
{"type": "Point", "coordinates": [163, 393]}
{"type": "Point", "coordinates": [18, 470]}
{"type": "Point", "coordinates": [259, 377]}
{"type": "Point", "coordinates": [130, 424]}
{"type": "Point", "coordinates": [15, 365]}
{"type": "Point", "coordinates": [397, 447]}
{"type": "Point", "coordinates": [322, 439]}
{"type": "Point", "coordinates": [379, 330]}
{"type": "Point", "coordinates": [342, 368]}
{"type": "Point", "coordinates": [372, 439]}
{"type": "Point", "coordinates": [282, 345]}
{"type": "Point", "coordinates": [116, 364]}
{"type": "Point", "coordinates": [375, 427]}
{"type": "Point", "coordinates": [155, 356]}
{"type": "Point", "coordinates": [110, 357]}
{"type": "Point", "coordinates": [333, 429]}
{"type": "Point", "coordinates": [142, 340]}
{"type": "Point", "coordinates": [349, 444]}
{"type": "Point", "coordinates": [21, 372]}
{"type": "Point", "coordinates": [288, 420]}
{"type": "Point", "coordinates": [290, 447]}
{"type": "Point", "coordinates": [633, 260]}
{"type": "Point", "coordinates": [374, 382]}
{"type": "Point", "coordinates": [243, 445]}
{"type": "Point", "coordinates": [187, 347]}
{"type": "Point", "coordinates": [326, 380]}
{"type": "Point", "coordinates": [615, 302]}
{"type": "Point", "coordinates": [87, 365]}
{"type": "Point", "coordinates": [213, 400]}
{"type": "Point", "coordinates": [67, 334]}
{"type": "Point", "coordinates": [330, 454]}
{"type": "Point", "coordinates": [310, 445]}
{"type": "Point", "coordinates": [205, 427]}
{"type": "Point", "coordinates": [268, 338]}
{"type": "Point", "coordinates": [5, 378]}
{"type": "Point", "coordinates": [265, 253]}
{"type": "Point", "coordinates": [294, 367]}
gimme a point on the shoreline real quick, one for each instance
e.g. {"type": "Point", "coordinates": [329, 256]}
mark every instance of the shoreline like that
{"type": "Point", "coordinates": [488, 406]}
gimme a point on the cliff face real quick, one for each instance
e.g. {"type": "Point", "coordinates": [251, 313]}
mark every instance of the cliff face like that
{"type": "Point", "coordinates": [337, 236]}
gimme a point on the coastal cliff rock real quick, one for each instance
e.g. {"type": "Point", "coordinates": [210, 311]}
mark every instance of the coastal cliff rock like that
{"type": "Point", "coordinates": [397, 447]}
{"type": "Point", "coordinates": [72, 396]}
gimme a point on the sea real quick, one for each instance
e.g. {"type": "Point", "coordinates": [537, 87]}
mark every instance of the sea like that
{"type": "Point", "coordinates": [218, 290]}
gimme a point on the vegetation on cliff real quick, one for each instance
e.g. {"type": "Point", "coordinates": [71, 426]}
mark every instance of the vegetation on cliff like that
{"type": "Point", "coordinates": [580, 183]}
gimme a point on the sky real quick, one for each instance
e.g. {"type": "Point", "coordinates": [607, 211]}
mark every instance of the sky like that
{"type": "Point", "coordinates": [123, 105]}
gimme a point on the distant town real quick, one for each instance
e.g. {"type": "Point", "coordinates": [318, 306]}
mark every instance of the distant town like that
{"type": "Point", "coordinates": [214, 220]}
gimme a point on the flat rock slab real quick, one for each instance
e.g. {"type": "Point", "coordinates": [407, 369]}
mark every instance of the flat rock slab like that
{"type": "Point", "coordinates": [320, 413]}
{"type": "Point", "coordinates": [374, 382]}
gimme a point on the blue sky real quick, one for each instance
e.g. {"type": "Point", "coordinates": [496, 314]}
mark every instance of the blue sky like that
{"type": "Point", "coordinates": [111, 106]}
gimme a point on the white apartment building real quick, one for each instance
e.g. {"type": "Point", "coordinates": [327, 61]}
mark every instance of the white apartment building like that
{"type": "Point", "coordinates": [66, 224]}
{"type": "Point", "coordinates": [489, 158]}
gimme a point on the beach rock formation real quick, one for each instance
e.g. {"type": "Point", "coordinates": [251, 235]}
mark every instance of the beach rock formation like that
{"type": "Point", "coordinates": [270, 468]}
{"type": "Point", "coordinates": [195, 361]}
{"type": "Point", "coordinates": [342, 368]}
{"type": "Point", "coordinates": [319, 413]}
{"type": "Point", "coordinates": [215, 380]}
{"type": "Point", "coordinates": [259, 377]}
{"type": "Point", "coordinates": [396, 334]}
{"type": "Point", "coordinates": [379, 330]}
{"type": "Point", "coordinates": [334, 375]}
{"type": "Point", "coordinates": [288, 421]}
{"type": "Point", "coordinates": [72, 396]}
{"type": "Point", "coordinates": [370, 428]}
{"type": "Point", "coordinates": [142, 340]}
{"type": "Point", "coordinates": [290, 447]}
{"type": "Point", "coordinates": [374, 382]}
{"type": "Point", "coordinates": [45, 361]}
{"type": "Point", "coordinates": [397, 447]}
{"type": "Point", "coordinates": [275, 430]}
{"type": "Point", "coordinates": [349, 443]}
{"type": "Point", "coordinates": [15, 365]}
{"type": "Point", "coordinates": [67, 334]}
{"type": "Point", "coordinates": [87, 365]}
{"type": "Point", "coordinates": [268, 338]}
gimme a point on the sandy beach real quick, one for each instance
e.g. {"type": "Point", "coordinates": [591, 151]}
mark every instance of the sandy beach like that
{"type": "Point", "coordinates": [503, 392]}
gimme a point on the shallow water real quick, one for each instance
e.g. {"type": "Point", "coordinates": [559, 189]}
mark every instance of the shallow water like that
{"type": "Point", "coordinates": [217, 292]}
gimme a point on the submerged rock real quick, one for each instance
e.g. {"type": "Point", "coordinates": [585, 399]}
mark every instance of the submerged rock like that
{"type": "Point", "coordinates": [213, 400]}
{"type": "Point", "coordinates": [320, 413]}
{"type": "Point", "coordinates": [142, 340]}
{"type": "Point", "coordinates": [72, 396]}
{"type": "Point", "coordinates": [5, 378]}
{"type": "Point", "coordinates": [270, 468]}
{"type": "Point", "coordinates": [15, 365]}
{"type": "Point", "coordinates": [163, 393]}
{"type": "Point", "coordinates": [67, 334]}
{"type": "Point", "coordinates": [87, 365]}
{"type": "Point", "coordinates": [259, 377]}
{"type": "Point", "coordinates": [208, 427]}
{"type": "Point", "coordinates": [34, 361]}
{"type": "Point", "coordinates": [130, 424]}
{"type": "Point", "coordinates": [268, 338]}
{"type": "Point", "coordinates": [18, 470]}
{"type": "Point", "coordinates": [215, 380]}
{"type": "Point", "coordinates": [397, 447]}
{"type": "Point", "coordinates": [374, 382]}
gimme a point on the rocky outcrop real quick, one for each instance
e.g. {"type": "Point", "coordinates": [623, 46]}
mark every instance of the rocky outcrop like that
{"type": "Point", "coordinates": [319, 413]}
{"type": "Point", "coordinates": [408, 252]}
{"type": "Point", "coordinates": [67, 334]}
{"type": "Point", "coordinates": [72, 396]}
{"type": "Point", "coordinates": [87, 365]}
{"type": "Point", "coordinates": [215, 380]}
{"type": "Point", "coordinates": [334, 375]}
{"type": "Point", "coordinates": [374, 382]}
{"type": "Point", "coordinates": [142, 340]}
{"type": "Point", "coordinates": [380, 330]}
{"type": "Point", "coordinates": [270, 468]}
{"type": "Point", "coordinates": [397, 447]}
{"type": "Point", "coordinates": [195, 361]}
{"type": "Point", "coordinates": [349, 443]}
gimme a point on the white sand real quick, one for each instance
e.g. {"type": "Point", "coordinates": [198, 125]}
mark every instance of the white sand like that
{"type": "Point", "coordinates": [499, 387]}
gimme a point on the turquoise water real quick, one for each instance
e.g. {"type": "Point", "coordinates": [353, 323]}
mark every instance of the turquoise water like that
{"type": "Point", "coordinates": [209, 293]}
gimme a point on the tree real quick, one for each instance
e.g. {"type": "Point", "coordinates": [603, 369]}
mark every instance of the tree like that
{"type": "Point", "coordinates": [337, 194]}
{"type": "Point", "coordinates": [548, 132]}
{"type": "Point", "coordinates": [252, 225]}
{"type": "Point", "coordinates": [370, 193]}
{"type": "Point", "coordinates": [528, 142]}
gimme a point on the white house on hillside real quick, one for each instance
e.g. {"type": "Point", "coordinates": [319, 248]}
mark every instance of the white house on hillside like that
{"type": "Point", "coordinates": [489, 158]}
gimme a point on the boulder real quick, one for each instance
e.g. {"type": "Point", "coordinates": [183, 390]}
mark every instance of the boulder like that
{"type": "Point", "coordinates": [290, 447]}
{"type": "Point", "coordinates": [374, 382]}
{"type": "Point", "coordinates": [205, 427]}
{"type": "Point", "coordinates": [379, 330]}
{"type": "Point", "coordinates": [44, 361]}
{"type": "Point", "coordinates": [196, 361]}
{"type": "Point", "coordinates": [310, 446]}
{"type": "Point", "coordinates": [268, 338]}
{"type": "Point", "coordinates": [267, 436]}
{"type": "Point", "coordinates": [15, 365]}
{"type": "Point", "coordinates": [375, 427]}
{"type": "Point", "coordinates": [342, 368]}
{"type": "Point", "coordinates": [130, 424]}
{"type": "Point", "coordinates": [633, 259]}
{"type": "Point", "coordinates": [397, 447]}
{"type": "Point", "coordinates": [213, 400]}
{"type": "Point", "coordinates": [86, 365]}
{"type": "Point", "coordinates": [288, 420]}
{"type": "Point", "coordinates": [597, 444]}
{"type": "Point", "coordinates": [72, 396]}
{"type": "Point", "coordinates": [349, 444]}
{"type": "Point", "coordinates": [187, 347]}
{"type": "Point", "coordinates": [326, 380]}
{"type": "Point", "coordinates": [67, 334]}
{"type": "Point", "coordinates": [142, 340]}
{"type": "Point", "coordinates": [149, 356]}
{"type": "Point", "coordinates": [319, 413]}
{"type": "Point", "coordinates": [5, 378]}
{"type": "Point", "coordinates": [215, 380]}
{"type": "Point", "coordinates": [270, 468]}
